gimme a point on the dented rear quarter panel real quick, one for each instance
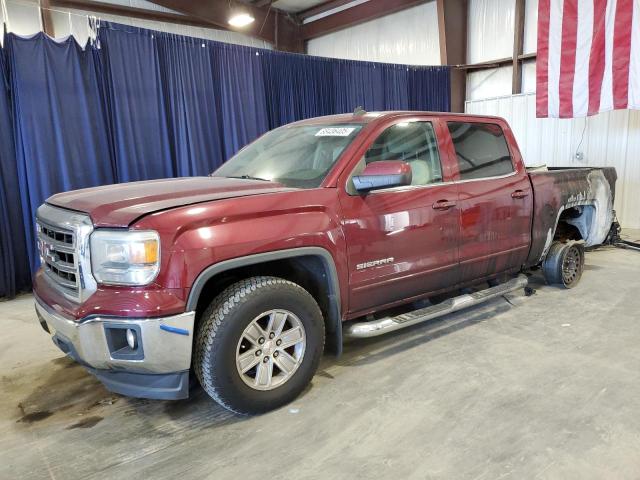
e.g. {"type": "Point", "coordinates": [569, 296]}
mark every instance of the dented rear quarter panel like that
{"type": "Point", "coordinates": [558, 189]}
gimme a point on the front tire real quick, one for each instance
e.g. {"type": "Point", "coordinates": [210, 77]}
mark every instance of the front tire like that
{"type": "Point", "coordinates": [564, 264]}
{"type": "Point", "coordinates": [258, 344]}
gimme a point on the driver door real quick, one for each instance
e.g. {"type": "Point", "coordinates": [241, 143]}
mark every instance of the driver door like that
{"type": "Point", "coordinates": [402, 242]}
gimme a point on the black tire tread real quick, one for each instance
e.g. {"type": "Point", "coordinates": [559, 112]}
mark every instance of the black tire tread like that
{"type": "Point", "coordinates": [552, 264]}
{"type": "Point", "coordinates": [214, 321]}
{"type": "Point", "coordinates": [551, 267]}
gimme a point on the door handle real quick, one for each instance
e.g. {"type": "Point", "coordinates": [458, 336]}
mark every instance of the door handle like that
{"type": "Point", "coordinates": [519, 194]}
{"type": "Point", "coordinates": [443, 205]}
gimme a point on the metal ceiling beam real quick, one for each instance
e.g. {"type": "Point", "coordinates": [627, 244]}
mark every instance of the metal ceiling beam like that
{"type": "Point", "coordinates": [321, 8]}
{"type": "Point", "coordinates": [354, 16]}
{"type": "Point", "coordinates": [270, 24]}
{"type": "Point", "coordinates": [120, 10]}
{"type": "Point", "coordinates": [498, 62]}
{"type": "Point", "coordinates": [452, 27]}
{"type": "Point", "coordinates": [262, 3]}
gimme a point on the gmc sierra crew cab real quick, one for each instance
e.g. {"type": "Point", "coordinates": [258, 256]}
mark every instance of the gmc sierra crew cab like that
{"type": "Point", "coordinates": [319, 230]}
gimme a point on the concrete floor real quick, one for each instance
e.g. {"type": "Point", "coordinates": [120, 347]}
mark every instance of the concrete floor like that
{"type": "Point", "coordinates": [546, 386]}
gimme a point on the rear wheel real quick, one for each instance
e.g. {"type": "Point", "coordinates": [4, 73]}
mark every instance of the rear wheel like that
{"type": "Point", "coordinates": [564, 264]}
{"type": "Point", "coordinates": [259, 344]}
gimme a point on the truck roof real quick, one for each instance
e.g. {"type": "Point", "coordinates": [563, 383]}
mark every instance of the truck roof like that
{"type": "Point", "coordinates": [368, 117]}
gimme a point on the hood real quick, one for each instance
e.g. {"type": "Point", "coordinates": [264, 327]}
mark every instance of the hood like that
{"type": "Point", "coordinates": [120, 205]}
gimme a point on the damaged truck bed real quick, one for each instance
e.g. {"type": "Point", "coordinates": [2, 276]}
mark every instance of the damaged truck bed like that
{"type": "Point", "coordinates": [567, 199]}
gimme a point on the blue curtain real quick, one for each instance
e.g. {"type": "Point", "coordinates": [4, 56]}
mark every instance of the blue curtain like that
{"type": "Point", "coordinates": [140, 104]}
{"type": "Point", "coordinates": [396, 87]}
{"type": "Point", "coordinates": [14, 265]}
{"type": "Point", "coordinates": [302, 86]}
{"type": "Point", "coordinates": [134, 92]}
{"type": "Point", "coordinates": [242, 100]}
{"type": "Point", "coordinates": [429, 89]}
{"type": "Point", "coordinates": [61, 127]}
{"type": "Point", "coordinates": [299, 86]}
{"type": "Point", "coordinates": [358, 84]}
{"type": "Point", "coordinates": [191, 98]}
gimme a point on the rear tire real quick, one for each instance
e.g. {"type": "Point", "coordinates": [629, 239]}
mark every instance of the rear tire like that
{"type": "Point", "coordinates": [564, 264]}
{"type": "Point", "coordinates": [251, 330]}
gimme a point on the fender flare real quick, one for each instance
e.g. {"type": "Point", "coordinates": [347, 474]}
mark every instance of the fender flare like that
{"type": "Point", "coordinates": [334, 319]}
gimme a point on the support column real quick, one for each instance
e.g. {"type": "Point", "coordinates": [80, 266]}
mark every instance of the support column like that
{"type": "Point", "coordinates": [452, 26]}
{"type": "Point", "coordinates": [518, 41]}
{"type": "Point", "coordinates": [47, 20]}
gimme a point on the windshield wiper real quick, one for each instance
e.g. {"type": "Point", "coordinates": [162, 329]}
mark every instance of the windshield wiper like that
{"type": "Point", "coordinates": [248, 177]}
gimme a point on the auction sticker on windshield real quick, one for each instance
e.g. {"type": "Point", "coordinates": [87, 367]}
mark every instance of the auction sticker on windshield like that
{"type": "Point", "coordinates": [335, 132]}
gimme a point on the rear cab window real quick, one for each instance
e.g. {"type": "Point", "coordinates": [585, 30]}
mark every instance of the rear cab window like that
{"type": "Point", "coordinates": [481, 150]}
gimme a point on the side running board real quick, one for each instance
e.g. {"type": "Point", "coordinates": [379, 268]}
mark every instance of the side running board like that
{"type": "Point", "coordinates": [381, 326]}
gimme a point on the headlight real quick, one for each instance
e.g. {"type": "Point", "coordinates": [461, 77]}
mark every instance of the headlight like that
{"type": "Point", "coordinates": [123, 257]}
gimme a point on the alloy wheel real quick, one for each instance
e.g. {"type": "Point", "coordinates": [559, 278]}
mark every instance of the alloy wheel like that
{"type": "Point", "coordinates": [270, 349]}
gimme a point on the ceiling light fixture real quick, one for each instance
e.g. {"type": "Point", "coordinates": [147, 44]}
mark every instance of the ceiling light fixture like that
{"type": "Point", "coordinates": [241, 20]}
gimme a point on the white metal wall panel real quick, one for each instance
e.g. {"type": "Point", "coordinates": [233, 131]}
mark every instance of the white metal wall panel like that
{"type": "Point", "coordinates": [139, 4]}
{"type": "Point", "coordinates": [490, 29]}
{"type": "Point", "coordinates": [530, 44]}
{"type": "Point", "coordinates": [529, 76]}
{"type": "Point", "coordinates": [629, 197]}
{"type": "Point", "coordinates": [409, 36]}
{"type": "Point", "coordinates": [609, 139]}
{"type": "Point", "coordinates": [490, 83]}
{"type": "Point", "coordinates": [490, 37]}
{"type": "Point", "coordinates": [23, 17]}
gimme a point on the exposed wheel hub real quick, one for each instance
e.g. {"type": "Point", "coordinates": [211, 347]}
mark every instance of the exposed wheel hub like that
{"type": "Point", "coordinates": [571, 265]}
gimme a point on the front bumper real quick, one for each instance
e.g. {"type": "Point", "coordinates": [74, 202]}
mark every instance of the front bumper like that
{"type": "Point", "coordinates": [158, 367]}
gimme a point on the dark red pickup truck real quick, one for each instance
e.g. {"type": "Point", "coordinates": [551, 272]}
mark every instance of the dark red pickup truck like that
{"type": "Point", "coordinates": [311, 233]}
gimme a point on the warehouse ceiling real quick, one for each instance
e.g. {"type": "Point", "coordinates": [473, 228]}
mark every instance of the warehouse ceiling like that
{"type": "Point", "coordinates": [295, 6]}
{"type": "Point", "coordinates": [286, 24]}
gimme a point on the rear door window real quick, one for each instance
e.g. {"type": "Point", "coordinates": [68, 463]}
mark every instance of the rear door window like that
{"type": "Point", "coordinates": [481, 150]}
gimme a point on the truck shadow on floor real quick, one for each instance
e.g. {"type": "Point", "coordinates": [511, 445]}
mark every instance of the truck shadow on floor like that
{"type": "Point", "coordinates": [367, 351]}
{"type": "Point", "coordinates": [370, 350]}
{"type": "Point", "coordinates": [64, 392]}
{"type": "Point", "coordinates": [355, 353]}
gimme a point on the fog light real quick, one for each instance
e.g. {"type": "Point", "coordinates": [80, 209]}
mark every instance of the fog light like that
{"type": "Point", "coordinates": [124, 341]}
{"type": "Point", "coordinates": [132, 341]}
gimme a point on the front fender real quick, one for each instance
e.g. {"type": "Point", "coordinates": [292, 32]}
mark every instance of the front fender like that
{"type": "Point", "coordinates": [204, 239]}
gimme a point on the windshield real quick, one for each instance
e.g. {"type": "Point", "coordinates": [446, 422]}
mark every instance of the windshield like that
{"type": "Point", "coordinates": [297, 156]}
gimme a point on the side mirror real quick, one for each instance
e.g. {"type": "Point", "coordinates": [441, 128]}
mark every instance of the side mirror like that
{"type": "Point", "coordinates": [383, 174]}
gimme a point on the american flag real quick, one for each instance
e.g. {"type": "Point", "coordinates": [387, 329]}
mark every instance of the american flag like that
{"type": "Point", "coordinates": [588, 57]}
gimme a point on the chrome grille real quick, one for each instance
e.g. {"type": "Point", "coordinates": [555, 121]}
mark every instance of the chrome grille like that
{"type": "Point", "coordinates": [63, 243]}
{"type": "Point", "coordinates": [57, 255]}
